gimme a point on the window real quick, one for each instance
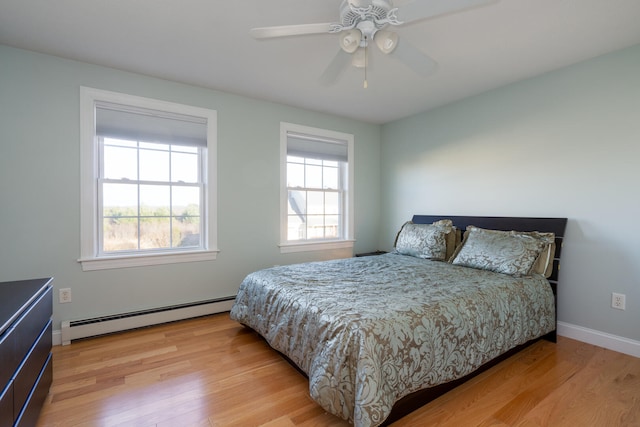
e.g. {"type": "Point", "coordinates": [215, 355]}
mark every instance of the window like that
{"type": "Point", "coordinates": [148, 181]}
{"type": "Point", "coordinates": [317, 189]}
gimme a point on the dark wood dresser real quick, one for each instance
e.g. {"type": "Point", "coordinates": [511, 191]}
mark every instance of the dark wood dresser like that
{"type": "Point", "coordinates": [25, 350]}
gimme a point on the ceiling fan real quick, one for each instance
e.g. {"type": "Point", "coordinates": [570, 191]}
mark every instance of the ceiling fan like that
{"type": "Point", "coordinates": [365, 21]}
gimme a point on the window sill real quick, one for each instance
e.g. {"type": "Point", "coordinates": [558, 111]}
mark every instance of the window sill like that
{"type": "Point", "coordinates": [289, 247]}
{"type": "Point", "coordinates": [105, 263]}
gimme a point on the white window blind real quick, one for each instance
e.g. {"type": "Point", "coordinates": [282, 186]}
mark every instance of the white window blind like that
{"type": "Point", "coordinates": [315, 147]}
{"type": "Point", "coordinates": [141, 124]}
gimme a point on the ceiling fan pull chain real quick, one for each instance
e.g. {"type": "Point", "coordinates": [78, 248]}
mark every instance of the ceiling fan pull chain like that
{"type": "Point", "coordinates": [366, 85]}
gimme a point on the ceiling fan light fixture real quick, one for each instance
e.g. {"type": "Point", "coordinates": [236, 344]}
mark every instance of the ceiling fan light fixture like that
{"type": "Point", "coordinates": [386, 41]}
{"type": "Point", "coordinates": [360, 58]}
{"type": "Point", "coordinates": [350, 40]}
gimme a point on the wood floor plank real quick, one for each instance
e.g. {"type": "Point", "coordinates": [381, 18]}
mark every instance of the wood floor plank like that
{"type": "Point", "coordinates": [213, 372]}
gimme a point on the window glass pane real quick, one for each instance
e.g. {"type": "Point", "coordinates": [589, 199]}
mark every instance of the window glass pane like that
{"type": "Point", "coordinates": [331, 227]}
{"type": "Point", "coordinates": [120, 234]}
{"type": "Point", "coordinates": [154, 165]}
{"type": "Point", "coordinates": [119, 200]}
{"type": "Point", "coordinates": [315, 227]}
{"type": "Point", "coordinates": [297, 203]}
{"type": "Point", "coordinates": [294, 159]}
{"type": "Point", "coordinates": [120, 217]}
{"type": "Point", "coordinates": [314, 214]}
{"type": "Point", "coordinates": [155, 200]}
{"type": "Point", "coordinates": [185, 201]}
{"type": "Point", "coordinates": [296, 228]}
{"type": "Point", "coordinates": [295, 175]}
{"type": "Point", "coordinates": [315, 203]}
{"type": "Point", "coordinates": [313, 176]}
{"type": "Point", "coordinates": [186, 231]}
{"type": "Point", "coordinates": [331, 203]}
{"type": "Point", "coordinates": [155, 232]}
{"type": "Point", "coordinates": [330, 178]}
{"type": "Point", "coordinates": [120, 163]}
{"type": "Point", "coordinates": [184, 167]}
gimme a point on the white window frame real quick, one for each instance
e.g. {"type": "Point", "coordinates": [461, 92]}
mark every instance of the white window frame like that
{"type": "Point", "coordinates": [89, 174]}
{"type": "Point", "coordinates": [347, 240]}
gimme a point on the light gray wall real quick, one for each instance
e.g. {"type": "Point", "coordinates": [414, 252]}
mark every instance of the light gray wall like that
{"type": "Point", "coordinates": [565, 144]}
{"type": "Point", "coordinates": [40, 187]}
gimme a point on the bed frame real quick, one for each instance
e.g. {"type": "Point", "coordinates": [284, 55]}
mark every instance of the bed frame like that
{"type": "Point", "coordinates": [556, 225]}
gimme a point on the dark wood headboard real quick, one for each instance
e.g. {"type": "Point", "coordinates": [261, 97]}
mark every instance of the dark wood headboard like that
{"type": "Point", "coordinates": [506, 223]}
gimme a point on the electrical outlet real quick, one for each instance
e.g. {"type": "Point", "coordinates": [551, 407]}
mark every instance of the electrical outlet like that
{"type": "Point", "coordinates": [618, 301]}
{"type": "Point", "coordinates": [64, 295]}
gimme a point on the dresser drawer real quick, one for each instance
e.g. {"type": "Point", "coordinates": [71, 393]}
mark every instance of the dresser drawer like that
{"type": "Point", "coordinates": [30, 369]}
{"type": "Point", "coordinates": [26, 371]}
{"type": "Point", "coordinates": [30, 325]}
{"type": "Point", "coordinates": [9, 358]}
{"type": "Point", "coordinates": [6, 405]}
{"type": "Point", "coordinates": [18, 339]}
{"type": "Point", "coordinates": [31, 411]}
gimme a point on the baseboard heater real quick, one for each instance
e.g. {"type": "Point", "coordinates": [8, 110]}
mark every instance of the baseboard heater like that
{"type": "Point", "coordinates": [76, 329]}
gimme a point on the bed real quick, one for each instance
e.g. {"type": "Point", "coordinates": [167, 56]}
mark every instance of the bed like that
{"type": "Point", "coordinates": [380, 335]}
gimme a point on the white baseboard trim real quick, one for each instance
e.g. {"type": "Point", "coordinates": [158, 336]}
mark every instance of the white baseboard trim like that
{"type": "Point", "coordinates": [601, 339]}
{"type": "Point", "coordinates": [67, 332]}
{"type": "Point", "coordinates": [57, 337]}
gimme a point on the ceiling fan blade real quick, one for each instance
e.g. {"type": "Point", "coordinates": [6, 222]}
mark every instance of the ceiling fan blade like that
{"type": "Point", "coordinates": [337, 65]}
{"type": "Point", "coordinates": [419, 62]}
{"type": "Point", "coordinates": [289, 30]}
{"type": "Point", "coordinates": [421, 9]}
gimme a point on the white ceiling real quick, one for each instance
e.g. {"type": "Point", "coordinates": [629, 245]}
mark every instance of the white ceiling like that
{"type": "Point", "coordinates": [207, 43]}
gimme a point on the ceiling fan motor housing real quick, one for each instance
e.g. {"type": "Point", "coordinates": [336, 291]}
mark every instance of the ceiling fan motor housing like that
{"type": "Point", "coordinates": [368, 16]}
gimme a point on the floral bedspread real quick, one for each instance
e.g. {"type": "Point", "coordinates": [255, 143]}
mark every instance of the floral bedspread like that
{"type": "Point", "coordinates": [370, 330]}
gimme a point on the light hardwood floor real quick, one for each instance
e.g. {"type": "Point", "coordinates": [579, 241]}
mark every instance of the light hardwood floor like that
{"type": "Point", "coordinates": [211, 371]}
